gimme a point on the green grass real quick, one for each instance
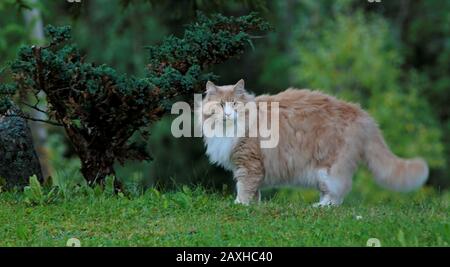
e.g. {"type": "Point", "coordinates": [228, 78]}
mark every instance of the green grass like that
{"type": "Point", "coordinates": [194, 217]}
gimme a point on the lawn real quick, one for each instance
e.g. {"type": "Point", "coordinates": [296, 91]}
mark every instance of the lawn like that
{"type": "Point", "coordinates": [196, 217]}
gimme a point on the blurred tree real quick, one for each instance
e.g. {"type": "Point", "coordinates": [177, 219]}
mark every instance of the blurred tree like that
{"type": "Point", "coordinates": [423, 27]}
{"type": "Point", "coordinates": [357, 58]}
{"type": "Point", "coordinates": [33, 21]}
{"type": "Point", "coordinates": [12, 31]}
{"type": "Point", "coordinates": [186, 9]}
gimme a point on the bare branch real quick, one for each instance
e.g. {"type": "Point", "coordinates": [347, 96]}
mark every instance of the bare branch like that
{"type": "Point", "coordinates": [34, 107]}
{"type": "Point", "coordinates": [257, 36]}
{"type": "Point", "coordinates": [23, 116]}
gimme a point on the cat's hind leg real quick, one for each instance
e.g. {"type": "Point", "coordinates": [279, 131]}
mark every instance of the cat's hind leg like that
{"type": "Point", "coordinates": [334, 183]}
{"type": "Point", "coordinates": [332, 187]}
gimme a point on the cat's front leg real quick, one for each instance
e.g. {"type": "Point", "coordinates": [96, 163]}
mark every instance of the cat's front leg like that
{"type": "Point", "coordinates": [245, 199]}
{"type": "Point", "coordinates": [248, 184]}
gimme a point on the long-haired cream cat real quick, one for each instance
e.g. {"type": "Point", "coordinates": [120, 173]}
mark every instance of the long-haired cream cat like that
{"type": "Point", "coordinates": [321, 142]}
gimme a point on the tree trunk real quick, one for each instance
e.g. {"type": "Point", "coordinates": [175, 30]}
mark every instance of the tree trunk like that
{"type": "Point", "coordinates": [96, 166]}
{"type": "Point", "coordinates": [33, 19]}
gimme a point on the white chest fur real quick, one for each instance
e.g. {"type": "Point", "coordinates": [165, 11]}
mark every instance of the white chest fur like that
{"type": "Point", "coordinates": [219, 150]}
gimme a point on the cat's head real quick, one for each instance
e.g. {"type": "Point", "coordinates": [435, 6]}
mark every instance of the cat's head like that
{"type": "Point", "coordinates": [224, 102]}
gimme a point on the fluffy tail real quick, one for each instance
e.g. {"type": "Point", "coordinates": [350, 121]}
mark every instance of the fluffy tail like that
{"type": "Point", "coordinates": [391, 171]}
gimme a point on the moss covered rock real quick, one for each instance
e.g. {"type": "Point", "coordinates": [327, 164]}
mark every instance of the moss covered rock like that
{"type": "Point", "coordinates": [18, 159]}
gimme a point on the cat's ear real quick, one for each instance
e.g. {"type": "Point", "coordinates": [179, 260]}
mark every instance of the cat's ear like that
{"type": "Point", "coordinates": [211, 88]}
{"type": "Point", "coordinates": [239, 87]}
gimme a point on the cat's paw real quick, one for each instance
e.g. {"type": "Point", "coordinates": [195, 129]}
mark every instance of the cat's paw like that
{"type": "Point", "coordinates": [237, 201]}
{"type": "Point", "coordinates": [323, 204]}
{"type": "Point", "coordinates": [327, 201]}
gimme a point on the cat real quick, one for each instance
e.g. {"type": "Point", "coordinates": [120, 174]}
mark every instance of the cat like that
{"type": "Point", "coordinates": [321, 141]}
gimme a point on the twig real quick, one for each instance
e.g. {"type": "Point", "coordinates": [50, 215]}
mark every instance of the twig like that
{"type": "Point", "coordinates": [34, 119]}
{"type": "Point", "coordinates": [257, 36]}
{"type": "Point", "coordinates": [34, 107]}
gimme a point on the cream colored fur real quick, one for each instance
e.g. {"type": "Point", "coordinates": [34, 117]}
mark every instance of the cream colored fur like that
{"type": "Point", "coordinates": [322, 140]}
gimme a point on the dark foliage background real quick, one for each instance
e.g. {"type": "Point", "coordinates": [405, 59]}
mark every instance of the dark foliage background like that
{"type": "Point", "coordinates": [392, 57]}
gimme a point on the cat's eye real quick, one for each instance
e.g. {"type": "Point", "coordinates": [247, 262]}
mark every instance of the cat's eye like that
{"type": "Point", "coordinates": [222, 104]}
